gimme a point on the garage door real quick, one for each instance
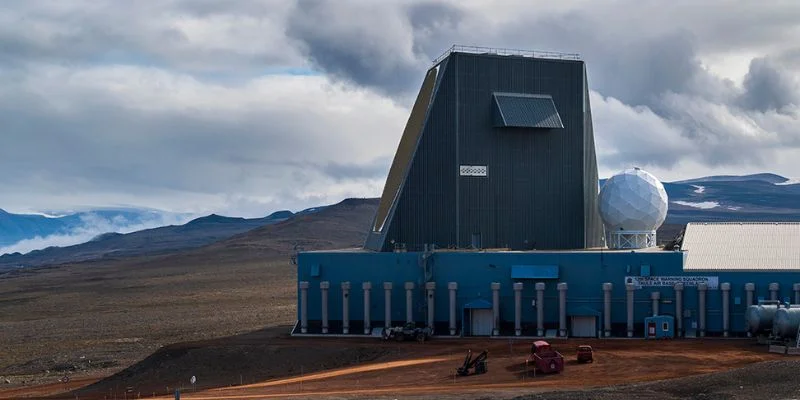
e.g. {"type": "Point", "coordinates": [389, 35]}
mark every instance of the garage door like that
{"type": "Point", "coordinates": [584, 327]}
{"type": "Point", "coordinates": [481, 322]}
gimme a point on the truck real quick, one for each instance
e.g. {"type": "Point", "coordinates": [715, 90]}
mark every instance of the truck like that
{"type": "Point", "coordinates": [544, 358]}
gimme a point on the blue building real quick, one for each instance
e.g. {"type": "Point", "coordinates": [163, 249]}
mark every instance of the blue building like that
{"type": "Point", "coordinates": [488, 225]}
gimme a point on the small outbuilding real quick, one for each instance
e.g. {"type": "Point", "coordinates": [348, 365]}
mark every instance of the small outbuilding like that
{"type": "Point", "coordinates": [659, 327]}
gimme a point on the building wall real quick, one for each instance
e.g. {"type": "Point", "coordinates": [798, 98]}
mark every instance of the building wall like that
{"type": "Point", "coordinates": [584, 272]}
{"type": "Point", "coordinates": [541, 188]}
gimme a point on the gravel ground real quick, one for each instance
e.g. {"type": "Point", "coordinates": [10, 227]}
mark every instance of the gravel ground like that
{"type": "Point", "coordinates": [766, 380]}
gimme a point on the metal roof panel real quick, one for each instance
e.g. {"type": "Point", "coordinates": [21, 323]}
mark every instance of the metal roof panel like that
{"type": "Point", "coordinates": [742, 246]}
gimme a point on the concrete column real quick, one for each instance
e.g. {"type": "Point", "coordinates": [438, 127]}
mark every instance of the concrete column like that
{"type": "Point", "coordinates": [562, 309]}
{"type": "Point", "coordinates": [540, 308]}
{"type": "Point", "coordinates": [495, 308]}
{"type": "Point", "coordinates": [345, 307]}
{"type": "Point", "coordinates": [774, 288]}
{"type": "Point", "coordinates": [679, 309]}
{"type": "Point", "coordinates": [303, 307]}
{"type": "Point", "coordinates": [387, 304]}
{"type": "Point", "coordinates": [629, 290]}
{"type": "Point", "coordinates": [607, 288]}
{"type": "Point", "coordinates": [409, 302]}
{"type": "Point", "coordinates": [749, 289]}
{"type": "Point", "coordinates": [323, 287]}
{"type": "Point", "coordinates": [517, 308]}
{"type": "Point", "coordinates": [725, 288]}
{"type": "Point", "coordinates": [430, 287]}
{"type": "Point", "coordinates": [796, 288]}
{"type": "Point", "coordinates": [656, 298]}
{"type": "Point", "coordinates": [452, 287]}
{"type": "Point", "coordinates": [367, 287]}
{"type": "Point", "coordinates": [702, 288]}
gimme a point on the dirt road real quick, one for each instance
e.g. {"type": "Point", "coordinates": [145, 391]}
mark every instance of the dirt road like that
{"type": "Point", "coordinates": [428, 370]}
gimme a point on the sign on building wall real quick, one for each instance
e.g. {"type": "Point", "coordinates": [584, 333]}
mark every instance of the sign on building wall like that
{"type": "Point", "coordinates": [473, 170]}
{"type": "Point", "coordinates": [670, 281]}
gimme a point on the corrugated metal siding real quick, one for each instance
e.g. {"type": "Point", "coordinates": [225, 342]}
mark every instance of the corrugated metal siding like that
{"type": "Point", "coordinates": [519, 110]}
{"type": "Point", "coordinates": [535, 193]}
{"type": "Point", "coordinates": [594, 230]}
{"type": "Point", "coordinates": [735, 246]}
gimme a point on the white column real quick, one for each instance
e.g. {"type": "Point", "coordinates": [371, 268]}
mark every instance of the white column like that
{"type": "Point", "coordinates": [725, 289]}
{"type": "Point", "coordinates": [345, 307]}
{"type": "Point", "coordinates": [324, 286]}
{"type": "Point", "coordinates": [430, 287]}
{"type": "Point", "coordinates": [517, 308]}
{"type": "Point", "coordinates": [607, 288]}
{"type": "Point", "coordinates": [303, 307]}
{"type": "Point", "coordinates": [495, 308]}
{"type": "Point", "coordinates": [774, 288]}
{"type": "Point", "coordinates": [629, 288]}
{"type": "Point", "coordinates": [656, 298]}
{"type": "Point", "coordinates": [540, 308]}
{"type": "Point", "coordinates": [562, 309]}
{"type": "Point", "coordinates": [367, 287]}
{"type": "Point", "coordinates": [452, 287]}
{"type": "Point", "coordinates": [702, 288]}
{"type": "Point", "coordinates": [749, 289]}
{"type": "Point", "coordinates": [679, 309]}
{"type": "Point", "coordinates": [796, 288]}
{"type": "Point", "coordinates": [409, 302]}
{"type": "Point", "coordinates": [387, 304]}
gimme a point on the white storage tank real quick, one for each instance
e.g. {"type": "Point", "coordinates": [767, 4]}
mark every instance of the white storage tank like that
{"type": "Point", "coordinates": [760, 318]}
{"type": "Point", "coordinates": [786, 322]}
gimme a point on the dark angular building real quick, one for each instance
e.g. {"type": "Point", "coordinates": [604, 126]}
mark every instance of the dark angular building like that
{"type": "Point", "coordinates": [498, 152]}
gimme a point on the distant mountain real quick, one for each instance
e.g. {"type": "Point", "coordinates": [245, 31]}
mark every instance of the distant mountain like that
{"type": "Point", "coordinates": [17, 227]}
{"type": "Point", "coordinates": [342, 225]}
{"type": "Point", "coordinates": [760, 197]}
{"type": "Point", "coordinates": [769, 178]}
{"type": "Point", "coordinates": [195, 233]}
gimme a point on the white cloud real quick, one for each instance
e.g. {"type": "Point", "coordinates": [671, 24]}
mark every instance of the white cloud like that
{"type": "Point", "coordinates": [188, 106]}
{"type": "Point", "coordinates": [91, 226]}
{"type": "Point", "coordinates": [274, 140]}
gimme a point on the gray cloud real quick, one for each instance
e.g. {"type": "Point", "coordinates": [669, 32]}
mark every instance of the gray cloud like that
{"type": "Point", "coordinates": [191, 105]}
{"type": "Point", "coordinates": [768, 87]}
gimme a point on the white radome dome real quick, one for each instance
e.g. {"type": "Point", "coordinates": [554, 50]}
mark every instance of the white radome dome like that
{"type": "Point", "coordinates": [634, 201]}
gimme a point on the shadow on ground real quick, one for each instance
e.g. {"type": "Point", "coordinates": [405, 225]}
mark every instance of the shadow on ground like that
{"type": "Point", "coordinates": [243, 359]}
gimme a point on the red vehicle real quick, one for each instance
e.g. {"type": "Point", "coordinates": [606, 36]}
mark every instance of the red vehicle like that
{"type": "Point", "coordinates": [585, 354]}
{"type": "Point", "coordinates": [545, 358]}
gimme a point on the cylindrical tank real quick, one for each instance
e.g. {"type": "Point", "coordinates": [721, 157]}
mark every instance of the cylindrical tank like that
{"type": "Point", "coordinates": [760, 318]}
{"type": "Point", "coordinates": [786, 322]}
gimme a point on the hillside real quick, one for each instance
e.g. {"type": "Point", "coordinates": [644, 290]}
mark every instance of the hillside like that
{"type": "Point", "coordinates": [342, 225]}
{"type": "Point", "coordinates": [196, 233]}
{"type": "Point", "coordinates": [760, 197]}
{"type": "Point", "coordinates": [17, 227]}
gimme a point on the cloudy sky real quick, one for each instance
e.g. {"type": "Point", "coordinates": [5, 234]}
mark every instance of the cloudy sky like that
{"type": "Point", "coordinates": [244, 107]}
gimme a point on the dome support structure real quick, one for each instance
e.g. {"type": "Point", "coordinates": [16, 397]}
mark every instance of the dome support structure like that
{"type": "Point", "coordinates": [631, 239]}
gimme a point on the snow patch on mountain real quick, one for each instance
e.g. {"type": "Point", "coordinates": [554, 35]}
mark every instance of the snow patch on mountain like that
{"type": "Point", "coordinates": [699, 189]}
{"type": "Point", "coordinates": [704, 205]}
{"type": "Point", "coordinates": [790, 181]}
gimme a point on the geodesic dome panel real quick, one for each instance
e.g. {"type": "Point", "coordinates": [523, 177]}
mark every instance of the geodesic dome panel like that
{"type": "Point", "coordinates": [633, 200]}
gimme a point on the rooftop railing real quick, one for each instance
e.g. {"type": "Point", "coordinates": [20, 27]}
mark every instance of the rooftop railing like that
{"type": "Point", "coordinates": [507, 52]}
